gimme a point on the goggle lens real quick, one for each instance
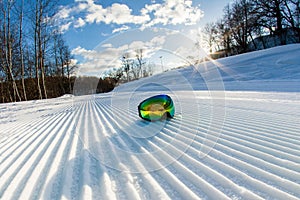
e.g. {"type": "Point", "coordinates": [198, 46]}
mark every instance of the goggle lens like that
{"type": "Point", "coordinates": [156, 108]}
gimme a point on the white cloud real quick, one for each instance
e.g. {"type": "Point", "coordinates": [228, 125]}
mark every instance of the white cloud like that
{"type": "Point", "coordinates": [64, 13]}
{"type": "Point", "coordinates": [73, 62]}
{"type": "Point", "coordinates": [86, 54]}
{"type": "Point", "coordinates": [172, 12]}
{"type": "Point", "coordinates": [98, 61]}
{"type": "Point", "coordinates": [107, 45]}
{"type": "Point", "coordinates": [65, 27]}
{"type": "Point", "coordinates": [116, 13]}
{"type": "Point", "coordinates": [122, 28]}
{"type": "Point", "coordinates": [79, 23]}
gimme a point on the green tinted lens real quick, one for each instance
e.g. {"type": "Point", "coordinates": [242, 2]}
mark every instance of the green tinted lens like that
{"type": "Point", "coordinates": [156, 108]}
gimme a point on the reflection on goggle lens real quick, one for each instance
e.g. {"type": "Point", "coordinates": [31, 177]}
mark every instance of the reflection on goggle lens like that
{"type": "Point", "coordinates": [156, 108]}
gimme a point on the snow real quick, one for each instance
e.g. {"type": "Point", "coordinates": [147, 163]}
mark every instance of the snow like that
{"type": "Point", "coordinates": [235, 135]}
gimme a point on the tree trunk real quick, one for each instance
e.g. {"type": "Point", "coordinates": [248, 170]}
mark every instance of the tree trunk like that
{"type": "Point", "coordinates": [9, 55]}
{"type": "Point", "coordinates": [253, 42]}
{"type": "Point", "coordinates": [36, 47]}
{"type": "Point", "coordinates": [43, 78]}
{"type": "Point", "coordinates": [2, 92]}
{"type": "Point", "coordinates": [42, 52]}
{"type": "Point", "coordinates": [68, 71]}
{"type": "Point", "coordinates": [21, 51]}
{"type": "Point", "coordinates": [278, 15]}
{"type": "Point", "coordinates": [279, 23]}
{"type": "Point", "coordinates": [246, 26]}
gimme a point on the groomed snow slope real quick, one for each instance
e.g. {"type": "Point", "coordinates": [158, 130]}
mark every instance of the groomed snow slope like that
{"type": "Point", "coordinates": [242, 142]}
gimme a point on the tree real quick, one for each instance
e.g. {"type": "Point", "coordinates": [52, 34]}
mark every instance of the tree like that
{"type": "Point", "coordinates": [225, 28]}
{"type": "Point", "coordinates": [21, 48]}
{"type": "Point", "coordinates": [44, 10]}
{"type": "Point", "coordinates": [210, 35]}
{"type": "Point", "coordinates": [139, 64]}
{"type": "Point", "coordinates": [133, 63]}
{"type": "Point", "coordinates": [70, 67]}
{"type": "Point", "coordinates": [270, 16]}
{"type": "Point", "coordinates": [242, 21]}
{"type": "Point", "coordinates": [126, 65]}
{"type": "Point", "coordinates": [7, 48]}
{"type": "Point", "coordinates": [291, 15]}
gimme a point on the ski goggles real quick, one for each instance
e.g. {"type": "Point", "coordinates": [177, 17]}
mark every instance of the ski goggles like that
{"type": "Point", "coordinates": [156, 108]}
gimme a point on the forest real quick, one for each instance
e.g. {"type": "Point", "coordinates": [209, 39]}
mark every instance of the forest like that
{"type": "Point", "coordinates": [36, 62]}
{"type": "Point", "coordinates": [33, 52]}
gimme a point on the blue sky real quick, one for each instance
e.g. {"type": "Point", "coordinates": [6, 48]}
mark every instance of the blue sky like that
{"type": "Point", "coordinates": [87, 24]}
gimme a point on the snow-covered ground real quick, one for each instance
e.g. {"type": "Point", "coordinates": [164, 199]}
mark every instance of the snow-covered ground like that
{"type": "Point", "coordinates": [235, 135]}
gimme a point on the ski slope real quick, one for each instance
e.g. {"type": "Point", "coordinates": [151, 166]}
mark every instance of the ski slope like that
{"type": "Point", "coordinates": [234, 136]}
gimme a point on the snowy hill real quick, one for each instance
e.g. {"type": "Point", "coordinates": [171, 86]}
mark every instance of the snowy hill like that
{"type": "Point", "coordinates": [274, 69]}
{"type": "Point", "coordinates": [235, 135]}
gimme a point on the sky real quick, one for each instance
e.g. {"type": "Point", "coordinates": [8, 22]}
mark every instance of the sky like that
{"type": "Point", "coordinates": [91, 26]}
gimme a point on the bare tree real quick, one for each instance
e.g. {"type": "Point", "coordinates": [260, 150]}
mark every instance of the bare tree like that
{"type": "Point", "coordinates": [139, 64]}
{"type": "Point", "coordinates": [44, 9]}
{"type": "Point", "coordinates": [8, 48]}
{"type": "Point", "coordinates": [69, 65]}
{"type": "Point", "coordinates": [37, 44]}
{"type": "Point", "coordinates": [270, 16]}
{"type": "Point", "coordinates": [241, 22]}
{"type": "Point", "coordinates": [56, 38]}
{"type": "Point", "coordinates": [21, 48]}
{"type": "Point", "coordinates": [210, 35]}
{"type": "Point", "coordinates": [126, 65]}
{"type": "Point", "coordinates": [225, 28]}
{"type": "Point", "coordinates": [291, 15]}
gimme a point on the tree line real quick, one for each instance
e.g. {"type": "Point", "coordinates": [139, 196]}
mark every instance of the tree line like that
{"type": "Point", "coordinates": [248, 25]}
{"type": "Point", "coordinates": [133, 67]}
